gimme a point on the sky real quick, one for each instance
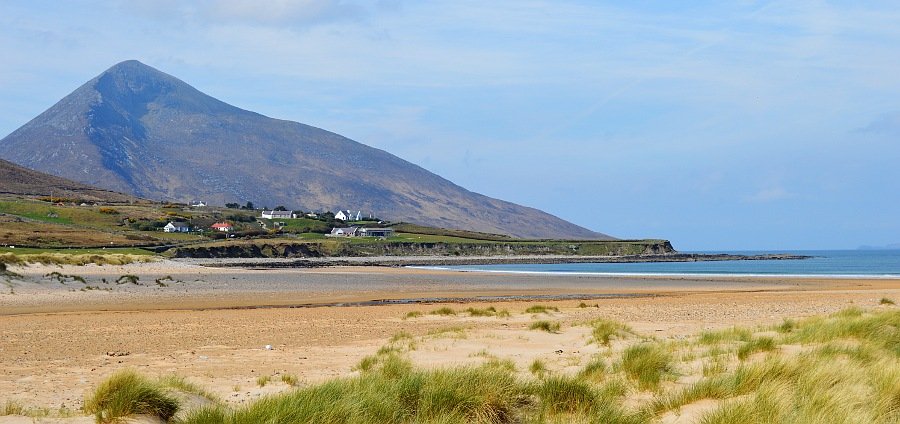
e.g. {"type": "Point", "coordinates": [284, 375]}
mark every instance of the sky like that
{"type": "Point", "coordinates": [741, 125]}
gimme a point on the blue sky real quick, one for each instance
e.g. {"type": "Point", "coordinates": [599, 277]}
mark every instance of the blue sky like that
{"type": "Point", "coordinates": [717, 125]}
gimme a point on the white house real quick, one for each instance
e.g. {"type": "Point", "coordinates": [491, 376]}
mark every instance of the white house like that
{"type": "Point", "coordinates": [347, 215]}
{"type": "Point", "coordinates": [224, 227]}
{"type": "Point", "coordinates": [200, 204]}
{"type": "Point", "coordinates": [344, 232]}
{"type": "Point", "coordinates": [177, 227]}
{"type": "Point", "coordinates": [277, 214]}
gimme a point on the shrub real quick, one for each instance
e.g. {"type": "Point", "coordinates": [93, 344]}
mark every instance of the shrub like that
{"type": "Point", "coordinates": [127, 393]}
{"type": "Point", "coordinates": [109, 211]}
{"type": "Point", "coordinates": [413, 314]}
{"type": "Point", "coordinates": [886, 301]}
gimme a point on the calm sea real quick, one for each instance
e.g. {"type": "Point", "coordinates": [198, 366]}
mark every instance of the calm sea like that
{"type": "Point", "coordinates": [846, 263]}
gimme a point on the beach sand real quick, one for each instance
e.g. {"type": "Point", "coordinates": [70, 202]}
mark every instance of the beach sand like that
{"type": "Point", "coordinates": [211, 325]}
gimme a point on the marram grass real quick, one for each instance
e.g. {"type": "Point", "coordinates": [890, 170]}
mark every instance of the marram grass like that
{"type": "Point", "coordinates": [128, 393]}
{"type": "Point", "coordinates": [841, 368]}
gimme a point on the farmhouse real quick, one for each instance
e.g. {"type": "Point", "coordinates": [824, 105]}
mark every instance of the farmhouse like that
{"type": "Point", "coordinates": [345, 232]}
{"type": "Point", "coordinates": [277, 214]}
{"type": "Point", "coordinates": [177, 227]}
{"type": "Point", "coordinates": [361, 232]}
{"type": "Point", "coordinates": [222, 226]}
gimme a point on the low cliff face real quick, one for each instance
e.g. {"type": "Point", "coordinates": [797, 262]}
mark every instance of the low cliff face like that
{"type": "Point", "coordinates": [334, 248]}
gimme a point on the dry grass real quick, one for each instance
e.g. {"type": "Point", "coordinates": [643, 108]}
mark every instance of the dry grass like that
{"type": "Point", "coordinates": [841, 368]}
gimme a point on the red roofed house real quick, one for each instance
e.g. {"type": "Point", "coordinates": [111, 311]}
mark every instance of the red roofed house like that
{"type": "Point", "coordinates": [222, 226]}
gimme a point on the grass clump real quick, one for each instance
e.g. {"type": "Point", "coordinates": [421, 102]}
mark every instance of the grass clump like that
{"type": "Point", "coordinates": [758, 344]}
{"type": "Point", "coordinates": [12, 408]}
{"type": "Point", "coordinates": [455, 332]}
{"type": "Point", "coordinates": [487, 312]}
{"type": "Point", "coordinates": [541, 309]}
{"type": "Point", "coordinates": [413, 314]}
{"type": "Point", "coordinates": [603, 330]}
{"type": "Point", "coordinates": [565, 394]}
{"type": "Point", "coordinates": [538, 368]}
{"type": "Point", "coordinates": [128, 278]}
{"type": "Point", "coordinates": [548, 326]}
{"type": "Point", "coordinates": [646, 363]}
{"type": "Point", "coordinates": [594, 370]}
{"type": "Point", "coordinates": [262, 380]}
{"type": "Point", "coordinates": [886, 301]}
{"type": "Point", "coordinates": [127, 393]}
{"type": "Point", "coordinates": [391, 393]}
{"type": "Point", "coordinates": [445, 311]}
{"type": "Point", "coordinates": [733, 334]}
{"type": "Point", "coordinates": [290, 379]}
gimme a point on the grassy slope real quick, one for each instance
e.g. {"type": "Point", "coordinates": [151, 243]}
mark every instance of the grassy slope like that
{"type": "Point", "coordinates": [42, 225]}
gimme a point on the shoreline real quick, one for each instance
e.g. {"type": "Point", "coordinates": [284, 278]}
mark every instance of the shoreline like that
{"type": "Point", "coordinates": [177, 285]}
{"type": "Point", "coordinates": [407, 261]}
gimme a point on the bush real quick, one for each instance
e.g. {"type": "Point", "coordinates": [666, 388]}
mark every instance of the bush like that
{"type": "Point", "coordinates": [109, 211]}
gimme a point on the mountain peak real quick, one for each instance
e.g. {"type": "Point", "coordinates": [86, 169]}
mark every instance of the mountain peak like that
{"type": "Point", "coordinates": [138, 130]}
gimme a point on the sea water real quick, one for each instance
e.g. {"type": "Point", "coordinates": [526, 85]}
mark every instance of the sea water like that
{"type": "Point", "coordinates": [842, 263]}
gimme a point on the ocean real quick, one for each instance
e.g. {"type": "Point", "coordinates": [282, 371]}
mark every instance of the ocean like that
{"type": "Point", "coordinates": [837, 263]}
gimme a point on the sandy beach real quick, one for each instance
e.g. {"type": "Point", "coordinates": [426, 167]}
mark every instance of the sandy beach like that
{"type": "Point", "coordinates": [58, 339]}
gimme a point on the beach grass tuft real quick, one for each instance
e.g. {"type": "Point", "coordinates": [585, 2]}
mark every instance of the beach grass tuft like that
{"type": "Point", "coordinates": [127, 393]}
{"type": "Point", "coordinates": [413, 314]}
{"type": "Point", "coordinates": [543, 325]}
{"type": "Point", "coordinates": [646, 363]}
{"type": "Point", "coordinates": [445, 311]}
{"type": "Point", "coordinates": [886, 301]}
{"type": "Point", "coordinates": [541, 309]}
{"type": "Point", "coordinates": [603, 330]}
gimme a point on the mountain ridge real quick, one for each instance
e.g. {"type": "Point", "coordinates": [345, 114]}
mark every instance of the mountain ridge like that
{"type": "Point", "coordinates": [138, 130]}
{"type": "Point", "coordinates": [20, 181]}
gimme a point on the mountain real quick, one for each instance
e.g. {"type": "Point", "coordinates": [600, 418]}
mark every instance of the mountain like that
{"type": "Point", "coordinates": [20, 181]}
{"type": "Point", "coordinates": [137, 130]}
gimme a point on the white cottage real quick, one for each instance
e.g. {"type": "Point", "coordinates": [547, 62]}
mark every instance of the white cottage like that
{"type": "Point", "coordinates": [277, 214]}
{"type": "Point", "coordinates": [177, 227]}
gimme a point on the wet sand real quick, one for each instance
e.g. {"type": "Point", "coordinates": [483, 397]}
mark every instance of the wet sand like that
{"type": "Point", "coordinates": [57, 341]}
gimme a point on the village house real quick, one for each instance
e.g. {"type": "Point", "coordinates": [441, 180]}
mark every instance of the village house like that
{"type": "Point", "coordinates": [361, 232]}
{"type": "Point", "coordinates": [177, 227]}
{"type": "Point", "coordinates": [347, 215]}
{"type": "Point", "coordinates": [277, 214]}
{"type": "Point", "coordinates": [223, 226]}
{"type": "Point", "coordinates": [200, 204]}
{"type": "Point", "coordinates": [344, 232]}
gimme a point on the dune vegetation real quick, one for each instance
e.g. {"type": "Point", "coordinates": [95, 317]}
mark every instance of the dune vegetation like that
{"type": "Point", "coordinates": [840, 368]}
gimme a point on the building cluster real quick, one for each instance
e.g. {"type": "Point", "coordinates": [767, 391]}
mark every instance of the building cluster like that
{"type": "Point", "coordinates": [343, 215]}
